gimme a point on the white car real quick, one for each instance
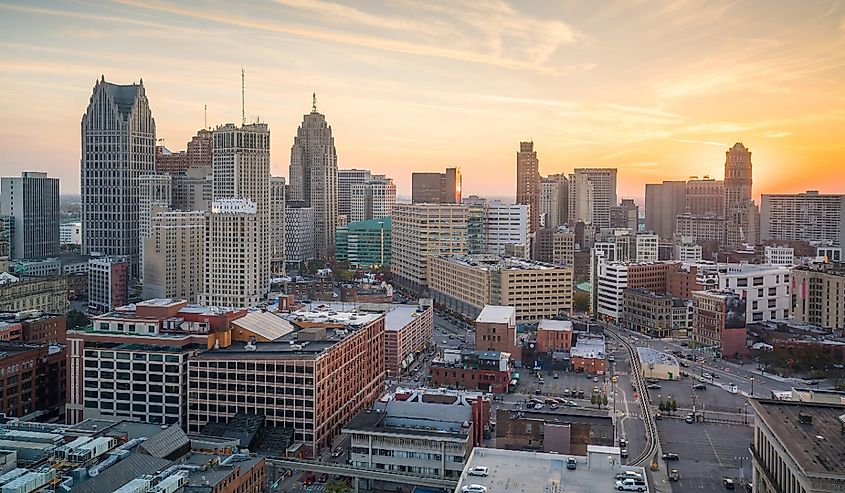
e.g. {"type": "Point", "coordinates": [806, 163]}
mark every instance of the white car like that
{"type": "Point", "coordinates": [474, 488]}
{"type": "Point", "coordinates": [479, 471]}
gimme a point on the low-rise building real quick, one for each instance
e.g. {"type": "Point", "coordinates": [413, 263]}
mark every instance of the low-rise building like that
{"type": "Point", "coordinates": [417, 434]}
{"type": "Point", "coordinates": [47, 294]}
{"type": "Point", "coordinates": [108, 283]}
{"type": "Point", "coordinates": [554, 335]}
{"type": "Point", "coordinates": [797, 446]}
{"type": "Point", "coordinates": [562, 431]}
{"type": "Point", "coordinates": [588, 355]}
{"type": "Point", "coordinates": [407, 333]}
{"type": "Point", "coordinates": [364, 243]}
{"type": "Point", "coordinates": [495, 330]}
{"type": "Point", "coordinates": [818, 294]}
{"type": "Point", "coordinates": [657, 364]}
{"type": "Point", "coordinates": [718, 322]}
{"type": "Point", "coordinates": [43, 329]}
{"type": "Point", "coordinates": [34, 378]}
{"type": "Point", "coordinates": [611, 279]}
{"type": "Point", "coordinates": [466, 283]}
{"type": "Point", "coordinates": [655, 314]}
{"type": "Point", "coordinates": [489, 371]}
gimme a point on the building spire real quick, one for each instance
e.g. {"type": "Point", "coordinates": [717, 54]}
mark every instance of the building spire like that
{"type": "Point", "coordinates": [243, 99]}
{"type": "Point", "coordinates": [314, 102]}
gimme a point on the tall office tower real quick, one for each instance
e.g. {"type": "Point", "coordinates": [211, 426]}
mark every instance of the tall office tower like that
{"type": "Point", "coordinates": [118, 146]}
{"type": "Point", "coordinates": [436, 188]}
{"type": "Point", "coordinates": [563, 199]}
{"type": "Point", "coordinates": [173, 256]}
{"type": "Point", "coordinates": [299, 235]}
{"type": "Point", "coordinates": [345, 179]}
{"type": "Point", "coordinates": [737, 195]}
{"type": "Point", "coordinates": [506, 225]}
{"type": "Point", "coordinates": [808, 216]}
{"type": "Point", "coordinates": [476, 227]}
{"type": "Point", "coordinates": [154, 196]}
{"type": "Point", "coordinates": [550, 197]}
{"type": "Point", "coordinates": [625, 215]}
{"type": "Point", "coordinates": [595, 193]}
{"type": "Point", "coordinates": [374, 199]}
{"type": "Point", "coordinates": [31, 202]}
{"type": "Point", "coordinates": [664, 201]}
{"type": "Point", "coordinates": [277, 224]}
{"type": "Point", "coordinates": [528, 182]}
{"type": "Point", "coordinates": [237, 250]}
{"type": "Point", "coordinates": [705, 196]}
{"type": "Point", "coordinates": [192, 189]}
{"type": "Point", "coordinates": [313, 177]}
{"type": "Point", "coordinates": [421, 231]}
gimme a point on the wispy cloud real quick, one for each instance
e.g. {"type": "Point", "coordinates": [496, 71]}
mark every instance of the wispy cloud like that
{"type": "Point", "coordinates": [776, 134]}
{"type": "Point", "coordinates": [703, 142]}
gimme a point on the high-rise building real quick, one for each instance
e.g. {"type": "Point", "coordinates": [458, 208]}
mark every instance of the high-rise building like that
{"type": "Point", "coordinates": [504, 225]}
{"type": "Point", "coordinates": [365, 243]}
{"type": "Point", "coordinates": [299, 235]}
{"type": "Point", "coordinates": [192, 189]}
{"type": "Point", "coordinates": [198, 153]}
{"type": "Point", "coordinates": [421, 231]}
{"type": "Point", "coordinates": [705, 196]}
{"type": "Point", "coordinates": [277, 224]}
{"type": "Point", "coordinates": [625, 215]}
{"type": "Point", "coordinates": [738, 220]}
{"type": "Point", "coordinates": [237, 249]}
{"type": "Point", "coordinates": [664, 201]}
{"type": "Point", "coordinates": [313, 177]}
{"type": "Point", "coordinates": [808, 216]}
{"type": "Point", "coordinates": [154, 196]}
{"type": "Point", "coordinates": [174, 256]}
{"type": "Point", "coordinates": [108, 283]}
{"type": "Point", "coordinates": [31, 202]}
{"type": "Point", "coordinates": [345, 179]}
{"type": "Point", "coordinates": [528, 182]}
{"type": "Point", "coordinates": [436, 188]}
{"type": "Point", "coordinates": [563, 198]}
{"type": "Point", "coordinates": [592, 193]}
{"type": "Point", "coordinates": [700, 229]}
{"type": "Point", "coordinates": [373, 199]}
{"type": "Point", "coordinates": [118, 146]}
{"type": "Point", "coordinates": [818, 294]}
{"type": "Point", "coordinates": [550, 197]}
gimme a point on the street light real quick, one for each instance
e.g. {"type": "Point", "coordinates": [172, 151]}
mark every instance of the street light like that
{"type": "Point", "coordinates": [752, 386]}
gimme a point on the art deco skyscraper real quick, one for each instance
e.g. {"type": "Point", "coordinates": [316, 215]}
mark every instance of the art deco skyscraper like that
{"type": "Point", "coordinates": [313, 177]}
{"type": "Point", "coordinates": [528, 183]}
{"type": "Point", "coordinates": [237, 249]}
{"type": "Point", "coordinates": [118, 146]}
{"type": "Point", "coordinates": [738, 227]}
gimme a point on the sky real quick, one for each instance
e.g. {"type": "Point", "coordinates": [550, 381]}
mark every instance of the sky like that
{"type": "Point", "coordinates": [659, 90]}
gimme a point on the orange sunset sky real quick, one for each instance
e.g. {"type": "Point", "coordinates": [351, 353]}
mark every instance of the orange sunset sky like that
{"type": "Point", "coordinates": [659, 90]}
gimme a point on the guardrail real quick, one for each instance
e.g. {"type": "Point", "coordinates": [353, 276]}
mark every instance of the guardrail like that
{"type": "Point", "coordinates": [362, 473]}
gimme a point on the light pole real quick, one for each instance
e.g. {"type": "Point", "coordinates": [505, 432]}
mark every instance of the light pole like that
{"type": "Point", "coordinates": [752, 386]}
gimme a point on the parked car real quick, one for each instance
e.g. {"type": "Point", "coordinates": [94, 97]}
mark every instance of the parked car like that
{"type": "Point", "coordinates": [580, 392]}
{"type": "Point", "coordinates": [699, 386]}
{"type": "Point", "coordinates": [653, 386]}
{"type": "Point", "coordinates": [670, 456]}
{"type": "Point", "coordinates": [555, 376]}
{"type": "Point", "coordinates": [538, 406]}
{"type": "Point", "coordinates": [728, 483]}
{"type": "Point", "coordinates": [628, 475]}
{"type": "Point", "coordinates": [479, 471]}
{"type": "Point", "coordinates": [623, 453]}
{"type": "Point", "coordinates": [571, 463]}
{"type": "Point", "coordinates": [553, 406]}
{"type": "Point", "coordinates": [631, 485]}
{"type": "Point", "coordinates": [690, 419]}
{"type": "Point", "coordinates": [658, 416]}
{"type": "Point", "coordinates": [474, 488]}
{"type": "Point", "coordinates": [337, 452]}
{"type": "Point", "coordinates": [541, 381]}
{"type": "Point", "coordinates": [595, 379]}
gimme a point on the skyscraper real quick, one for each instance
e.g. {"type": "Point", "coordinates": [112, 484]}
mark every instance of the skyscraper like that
{"type": "Point", "coordinates": [313, 177]}
{"type": "Point", "coordinates": [528, 183]}
{"type": "Point", "coordinates": [118, 146]}
{"type": "Point", "coordinates": [237, 247]}
{"type": "Point", "coordinates": [625, 215]}
{"type": "Point", "coordinates": [174, 254]}
{"type": "Point", "coordinates": [663, 202]}
{"type": "Point", "coordinates": [277, 224]}
{"type": "Point", "coordinates": [31, 202]}
{"type": "Point", "coordinates": [154, 196]}
{"type": "Point", "coordinates": [345, 179]}
{"type": "Point", "coordinates": [372, 200]}
{"type": "Point", "coordinates": [808, 216]}
{"type": "Point", "coordinates": [706, 197]}
{"type": "Point", "coordinates": [737, 195]}
{"type": "Point", "coordinates": [436, 188]}
{"type": "Point", "coordinates": [594, 193]}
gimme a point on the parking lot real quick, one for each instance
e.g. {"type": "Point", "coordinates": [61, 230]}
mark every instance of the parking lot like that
{"type": "Point", "coordinates": [708, 452]}
{"type": "Point", "coordinates": [711, 399]}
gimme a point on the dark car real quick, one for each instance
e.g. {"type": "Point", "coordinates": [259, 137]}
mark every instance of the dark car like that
{"type": "Point", "coordinates": [653, 386]}
{"type": "Point", "coordinates": [699, 386]}
{"type": "Point", "coordinates": [670, 456]}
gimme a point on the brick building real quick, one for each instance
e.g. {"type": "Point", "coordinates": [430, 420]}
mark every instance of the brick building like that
{"type": "Point", "coordinates": [554, 335]}
{"type": "Point", "coordinates": [562, 431]}
{"type": "Point", "coordinates": [495, 330]}
{"type": "Point", "coordinates": [718, 322]}
{"type": "Point", "coordinates": [588, 355]}
{"type": "Point", "coordinates": [47, 329]}
{"type": "Point", "coordinates": [33, 378]}
{"type": "Point", "coordinates": [488, 371]}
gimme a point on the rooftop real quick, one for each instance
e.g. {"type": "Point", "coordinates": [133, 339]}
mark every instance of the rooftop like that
{"type": "Point", "coordinates": [488, 261]}
{"type": "Point", "coordinates": [812, 433]}
{"type": "Point", "coordinates": [494, 314]}
{"type": "Point", "coordinates": [654, 357]}
{"type": "Point", "coordinates": [564, 325]}
{"type": "Point", "coordinates": [264, 324]}
{"type": "Point", "coordinates": [526, 472]}
{"type": "Point", "coordinates": [415, 417]}
{"type": "Point", "coordinates": [588, 347]}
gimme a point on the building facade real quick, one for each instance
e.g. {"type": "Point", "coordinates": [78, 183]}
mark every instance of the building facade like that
{"type": "Point", "coordinates": [422, 231]}
{"type": "Point", "coordinates": [594, 194]}
{"type": "Point", "coordinates": [739, 222]}
{"type": "Point", "coordinates": [655, 314]}
{"type": "Point", "coordinates": [808, 216]}
{"type": "Point", "coordinates": [345, 179]}
{"type": "Point", "coordinates": [313, 177]}
{"type": "Point", "coordinates": [528, 183]}
{"type": "Point", "coordinates": [299, 235]}
{"type": "Point", "coordinates": [365, 243]}
{"type": "Point", "coordinates": [277, 224]}
{"type": "Point", "coordinates": [50, 294]}
{"type": "Point", "coordinates": [108, 283]}
{"type": "Point", "coordinates": [31, 201]}
{"type": "Point", "coordinates": [701, 229]}
{"type": "Point", "coordinates": [373, 199]}
{"type": "Point", "coordinates": [118, 146]}
{"type": "Point", "coordinates": [664, 201]}
{"type": "Point", "coordinates": [818, 295]}
{"type": "Point", "coordinates": [705, 197]}
{"type": "Point", "coordinates": [718, 322]}
{"type": "Point", "coordinates": [625, 215]}
{"type": "Point", "coordinates": [175, 255]}
{"type": "Point", "coordinates": [436, 188]}
{"type": "Point", "coordinates": [70, 234]}
{"type": "Point", "coordinates": [488, 371]}
{"type": "Point", "coordinates": [765, 289]}
{"type": "Point", "coordinates": [495, 330]}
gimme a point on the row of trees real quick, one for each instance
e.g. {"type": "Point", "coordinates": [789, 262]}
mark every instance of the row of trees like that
{"type": "Point", "coordinates": [669, 406]}
{"type": "Point", "coordinates": [598, 400]}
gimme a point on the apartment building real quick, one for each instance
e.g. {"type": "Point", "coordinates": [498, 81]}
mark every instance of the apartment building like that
{"type": "Point", "coordinates": [466, 283]}
{"type": "Point", "coordinates": [797, 446]}
{"type": "Point", "coordinates": [563, 248]}
{"type": "Point", "coordinates": [436, 188]}
{"type": "Point", "coordinates": [423, 231]}
{"type": "Point", "coordinates": [764, 287]}
{"type": "Point", "coordinates": [488, 371]}
{"type": "Point", "coordinates": [325, 368]}
{"type": "Point", "coordinates": [655, 314]}
{"type": "Point", "coordinates": [372, 199]}
{"type": "Point", "coordinates": [808, 216]}
{"type": "Point", "coordinates": [108, 283]}
{"type": "Point", "coordinates": [345, 179]}
{"type": "Point", "coordinates": [418, 433]}
{"type": "Point", "coordinates": [818, 294]}
{"type": "Point", "coordinates": [132, 362]}
{"type": "Point", "coordinates": [611, 279]}
{"type": "Point", "coordinates": [174, 253]}
{"type": "Point", "coordinates": [365, 243]}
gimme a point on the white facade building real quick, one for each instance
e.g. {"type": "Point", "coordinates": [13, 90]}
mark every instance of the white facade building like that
{"type": "Point", "coordinates": [373, 199]}
{"type": "Point", "coordinates": [592, 194]}
{"type": "Point", "coordinates": [647, 245]}
{"type": "Point", "coordinates": [611, 281]}
{"type": "Point", "coordinates": [550, 196]}
{"type": "Point", "coordinates": [118, 146]}
{"type": "Point", "coordinates": [345, 179]}
{"type": "Point", "coordinates": [155, 195]}
{"type": "Point", "coordinates": [506, 224]}
{"type": "Point", "coordinates": [107, 283]}
{"type": "Point", "coordinates": [687, 251]}
{"type": "Point", "coordinates": [809, 216]}
{"type": "Point", "coordinates": [31, 202]}
{"type": "Point", "coordinates": [779, 255]}
{"type": "Point", "coordinates": [765, 287]}
{"type": "Point", "coordinates": [70, 234]}
{"type": "Point", "coordinates": [277, 224]}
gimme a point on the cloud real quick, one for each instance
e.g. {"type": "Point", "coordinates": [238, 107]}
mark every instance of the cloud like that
{"type": "Point", "coordinates": [776, 134]}
{"type": "Point", "coordinates": [704, 142]}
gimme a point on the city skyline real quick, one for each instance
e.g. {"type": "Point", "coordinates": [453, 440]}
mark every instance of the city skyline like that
{"type": "Point", "coordinates": [591, 87]}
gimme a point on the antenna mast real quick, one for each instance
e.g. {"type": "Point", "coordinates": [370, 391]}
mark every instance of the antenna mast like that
{"type": "Point", "coordinates": [243, 99]}
{"type": "Point", "coordinates": [205, 116]}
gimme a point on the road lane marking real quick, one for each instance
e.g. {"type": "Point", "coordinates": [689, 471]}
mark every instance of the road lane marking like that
{"type": "Point", "coordinates": [714, 448]}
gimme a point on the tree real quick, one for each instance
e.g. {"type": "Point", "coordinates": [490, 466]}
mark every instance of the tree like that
{"type": "Point", "coordinates": [581, 301]}
{"type": "Point", "coordinates": [336, 486]}
{"type": "Point", "coordinates": [604, 400]}
{"type": "Point", "coordinates": [674, 406]}
{"type": "Point", "coordinates": [662, 406]}
{"type": "Point", "coordinates": [593, 399]}
{"type": "Point", "coordinates": [76, 320]}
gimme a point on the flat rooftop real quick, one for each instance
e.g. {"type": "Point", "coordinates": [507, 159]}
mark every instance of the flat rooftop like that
{"type": "Point", "coordinates": [494, 314]}
{"type": "Point", "coordinates": [529, 472]}
{"type": "Point", "coordinates": [588, 347]}
{"type": "Point", "coordinates": [488, 261]}
{"type": "Point", "coordinates": [424, 419]}
{"type": "Point", "coordinates": [399, 316]}
{"type": "Point", "coordinates": [653, 356]}
{"type": "Point", "coordinates": [818, 446]}
{"type": "Point", "coordinates": [547, 324]}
